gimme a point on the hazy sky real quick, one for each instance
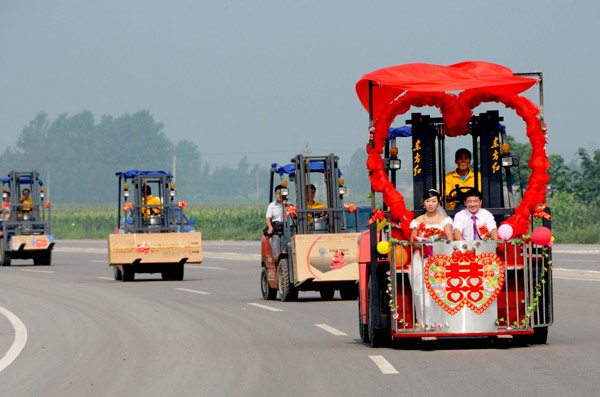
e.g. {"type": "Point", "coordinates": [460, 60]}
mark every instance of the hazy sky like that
{"type": "Point", "coordinates": [265, 78]}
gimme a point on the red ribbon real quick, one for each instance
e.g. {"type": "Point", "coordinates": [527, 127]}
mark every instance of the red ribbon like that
{"type": "Point", "coordinates": [540, 213]}
{"type": "Point", "coordinates": [378, 216]}
{"type": "Point", "coordinates": [181, 204]}
{"type": "Point", "coordinates": [351, 207]}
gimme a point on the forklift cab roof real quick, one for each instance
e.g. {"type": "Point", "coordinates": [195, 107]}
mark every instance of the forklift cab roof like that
{"type": "Point", "coordinates": [23, 181]}
{"type": "Point", "coordinates": [291, 169]}
{"type": "Point", "coordinates": [133, 173]}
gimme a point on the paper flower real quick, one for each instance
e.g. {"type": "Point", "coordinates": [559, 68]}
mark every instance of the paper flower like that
{"type": "Point", "coordinates": [181, 204]}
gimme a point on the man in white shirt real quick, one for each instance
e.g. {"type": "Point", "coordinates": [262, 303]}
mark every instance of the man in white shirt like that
{"type": "Point", "coordinates": [473, 222]}
{"type": "Point", "coordinates": [275, 221]}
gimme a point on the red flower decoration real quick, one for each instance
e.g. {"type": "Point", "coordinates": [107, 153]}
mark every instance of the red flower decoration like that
{"type": "Point", "coordinates": [351, 207]}
{"type": "Point", "coordinates": [5, 204]}
{"type": "Point", "coordinates": [291, 210]}
{"type": "Point", "coordinates": [483, 231]}
{"type": "Point", "coordinates": [181, 204]}
{"type": "Point", "coordinates": [429, 232]}
{"type": "Point", "coordinates": [47, 205]}
{"type": "Point", "coordinates": [128, 206]}
{"type": "Point", "coordinates": [378, 216]}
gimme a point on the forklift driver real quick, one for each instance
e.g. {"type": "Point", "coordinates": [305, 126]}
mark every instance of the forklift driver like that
{"type": "Point", "coordinates": [274, 221]}
{"type": "Point", "coordinates": [311, 203]}
{"type": "Point", "coordinates": [25, 199]}
{"type": "Point", "coordinates": [458, 181]}
{"type": "Point", "coordinates": [150, 200]}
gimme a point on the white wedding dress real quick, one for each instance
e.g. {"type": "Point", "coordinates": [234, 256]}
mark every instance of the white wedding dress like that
{"type": "Point", "coordinates": [421, 298]}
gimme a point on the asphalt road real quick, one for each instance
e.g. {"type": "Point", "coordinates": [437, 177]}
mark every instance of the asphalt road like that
{"type": "Point", "coordinates": [212, 335]}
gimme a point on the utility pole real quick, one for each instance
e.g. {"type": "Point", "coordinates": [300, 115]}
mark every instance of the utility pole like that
{"type": "Point", "coordinates": [174, 169]}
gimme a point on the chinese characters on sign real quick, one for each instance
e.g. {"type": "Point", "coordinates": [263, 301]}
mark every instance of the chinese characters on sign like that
{"type": "Point", "coordinates": [417, 158]}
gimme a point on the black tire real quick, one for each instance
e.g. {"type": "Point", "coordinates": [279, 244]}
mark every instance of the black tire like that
{"type": "Point", "coordinates": [177, 271]}
{"type": "Point", "coordinates": [268, 293]}
{"type": "Point", "coordinates": [363, 329]}
{"type": "Point", "coordinates": [5, 257]}
{"type": "Point", "coordinates": [327, 293]}
{"type": "Point", "coordinates": [117, 273]}
{"type": "Point", "coordinates": [287, 291]}
{"type": "Point", "coordinates": [42, 258]}
{"type": "Point", "coordinates": [166, 275]}
{"type": "Point", "coordinates": [127, 273]}
{"type": "Point", "coordinates": [378, 337]}
{"type": "Point", "coordinates": [349, 292]}
{"type": "Point", "coordinates": [540, 337]}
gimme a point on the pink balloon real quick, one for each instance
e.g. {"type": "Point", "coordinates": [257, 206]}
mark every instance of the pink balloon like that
{"type": "Point", "coordinates": [505, 231]}
{"type": "Point", "coordinates": [550, 244]}
{"type": "Point", "coordinates": [541, 236]}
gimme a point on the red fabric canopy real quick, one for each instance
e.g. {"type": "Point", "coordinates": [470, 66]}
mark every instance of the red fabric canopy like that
{"type": "Point", "coordinates": [389, 83]}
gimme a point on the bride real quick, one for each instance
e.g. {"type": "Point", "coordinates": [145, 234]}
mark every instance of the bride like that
{"type": "Point", "coordinates": [433, 225]}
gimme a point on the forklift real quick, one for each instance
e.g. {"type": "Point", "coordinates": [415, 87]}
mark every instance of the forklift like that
{"type": "Point", "coordinates": [317, 246]}
{"type": "Point", "coordinates": [26, 220]}
{"type": "Point", "coordinates": [152, 234]}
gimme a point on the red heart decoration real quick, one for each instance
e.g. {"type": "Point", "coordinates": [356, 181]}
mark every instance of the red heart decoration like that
{"type": "Point", "coordinates": [464, 279]}
{"type": "Point", "coordinates": [457, 112]}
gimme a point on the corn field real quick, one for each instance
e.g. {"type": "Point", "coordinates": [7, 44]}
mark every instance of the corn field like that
{"type": "Point", "coordinates": [215, 221]}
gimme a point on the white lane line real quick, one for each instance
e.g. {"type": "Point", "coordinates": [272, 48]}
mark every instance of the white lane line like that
{"type": "Point", "coordinates": [37, 271]}
{"type": "Point", "coordinates": [331, 330]}
{"type": "Point", "coordinates": [205, 267]}
{"type": "Point", "coordinates": [106, 278]}
{"type": "Point", "coordinates": [384, 365]}
{"type": "Point", "coordinates": [98, 261]}
{"type": "Point", "coordinates": [576, 278]}
{"type": "Point", "coordinates": [193, 291]}
{"type": "Point", "coordinates": [273, 309]}
{"type": "Point", "coordinates": [582, 252]}
{"type": "Point", "coordinates": [19, 341]}
{"type": "Point", "coordinates": [576, 270]}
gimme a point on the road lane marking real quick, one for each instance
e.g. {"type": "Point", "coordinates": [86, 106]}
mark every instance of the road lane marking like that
{"type": "Point", "coordinates": [205, 267]}
{"type": "Point", "coordinates": [576, 270]}
{"type": "Point", "coordinates": [193, 291]}
{"type": "Point", "coordinates": [37, 271]}
{"type": "Point", "coordinates": [106, 278]}
{"type": "Point", "coordinates": [19, 341]}
{"type": "Point", "coordinates": [576, 278]}
{"type": "Point", "coordinates": [384, 365]}
{"type": "Point", "coordinates": [582, 252]}
{"type": "Point", "coordinates": [273, 309]}
{"type": "Point", "coordinates": [331, 330]}
{"type": "Point", "coordinates": [232, 256]}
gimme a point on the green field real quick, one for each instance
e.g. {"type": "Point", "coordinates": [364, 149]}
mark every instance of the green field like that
{"type": "Point", "coordinates": [216, 222]}
{"type": "Point", "coordinates": [572, 222]}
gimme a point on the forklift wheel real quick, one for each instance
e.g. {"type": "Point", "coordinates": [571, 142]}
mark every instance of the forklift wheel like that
{"type": "Point", "coordinates": [268, 293]}
{"type": "Point", "coordinates": [287, 291]}
{"type": "Point", "coordinates": [127, 273]}
{"type": "Point", "coordinates": [363, 329]}
{"type": "Point", "coordinates": [117, 273]}
{"type": "Point", "coordinates": [4, 255]}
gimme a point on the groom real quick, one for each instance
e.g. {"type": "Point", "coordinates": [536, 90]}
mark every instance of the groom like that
{"type": "Point", "coordinates": [473, 222]}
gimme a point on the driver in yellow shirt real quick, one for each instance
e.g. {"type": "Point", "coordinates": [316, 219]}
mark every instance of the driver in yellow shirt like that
{"type": "Point", "coordinates": [150, 200]}
{"type": "Point", "coordinates": [462, 177]}
{"type": "Point", "coordinates": [25, 199]}
{"type": "Point", "coordinates": [311, 204]}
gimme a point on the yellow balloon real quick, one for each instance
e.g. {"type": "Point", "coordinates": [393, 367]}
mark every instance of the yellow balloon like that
{"type": "Point", "coordinates": [383, 247]}
{"type": "Point", "coordinates": [552, 239]}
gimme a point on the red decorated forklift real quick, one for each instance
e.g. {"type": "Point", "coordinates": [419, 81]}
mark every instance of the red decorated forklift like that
{"type": "Point", "coordinates": [317, 243]}
{"type": "Point", "coordinates": [434, 287]}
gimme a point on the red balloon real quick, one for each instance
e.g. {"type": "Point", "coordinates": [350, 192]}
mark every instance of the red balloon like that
{"type": "Point", "coordinates": [541, 236]}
